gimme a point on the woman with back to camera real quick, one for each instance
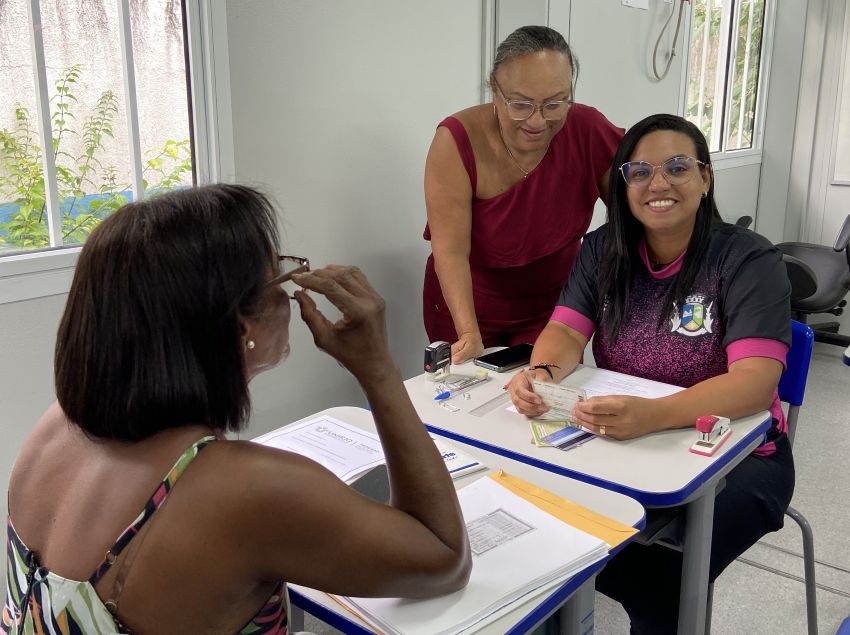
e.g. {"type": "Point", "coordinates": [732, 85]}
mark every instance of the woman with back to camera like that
{"type": "Point", "coordinates": [177, 303]}
{"type": "Point", "coordinates": [509, 189]}
{"type": "Point", "coordinates": [671, 293]}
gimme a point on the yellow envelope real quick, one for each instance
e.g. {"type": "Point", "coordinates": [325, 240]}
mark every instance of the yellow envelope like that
{"type": "Point", "coordinates": [607, 529]}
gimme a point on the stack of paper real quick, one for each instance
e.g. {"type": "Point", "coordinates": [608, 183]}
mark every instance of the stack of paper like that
{"type": "Point", "coordinates": [517, 549]}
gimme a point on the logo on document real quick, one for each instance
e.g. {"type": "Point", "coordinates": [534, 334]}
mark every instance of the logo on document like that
{"type": "Point", "coordinates": [694, 318]}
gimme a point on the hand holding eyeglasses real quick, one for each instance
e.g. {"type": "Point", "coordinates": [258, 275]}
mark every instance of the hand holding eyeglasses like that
{"type": "Point", "coordinates": [358, 340]}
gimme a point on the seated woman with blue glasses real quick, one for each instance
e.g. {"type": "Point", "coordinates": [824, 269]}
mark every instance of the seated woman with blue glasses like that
{"type": "Point", "coordinates": [671, 293]}
{"type": "Point", "coordinates": [129, 510]}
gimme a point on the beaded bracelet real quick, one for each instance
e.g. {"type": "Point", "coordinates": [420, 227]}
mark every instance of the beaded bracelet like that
{"type": "Point", "coordinates": [547, 367]}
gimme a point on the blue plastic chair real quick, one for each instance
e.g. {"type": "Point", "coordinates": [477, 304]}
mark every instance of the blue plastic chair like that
{"type": "Point", "coordinates": [792, 387]}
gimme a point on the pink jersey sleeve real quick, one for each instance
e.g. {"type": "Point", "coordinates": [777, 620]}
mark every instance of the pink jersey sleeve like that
{"type": "Point", "coordinates": [756, 347]}
{"type": "Point", "coordinates": [575, 320]}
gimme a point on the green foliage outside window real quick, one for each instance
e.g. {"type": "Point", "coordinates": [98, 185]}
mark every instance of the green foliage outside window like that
{"type": "Point", "coordinates": [705, 54]}
{"type": "Point", "coordinates": [78, 176]}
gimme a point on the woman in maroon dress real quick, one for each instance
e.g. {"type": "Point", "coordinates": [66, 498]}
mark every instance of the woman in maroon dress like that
{"type": "Point", "coordinates": [509, 189]}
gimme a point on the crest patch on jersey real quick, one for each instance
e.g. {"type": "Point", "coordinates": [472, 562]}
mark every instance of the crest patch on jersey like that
{"type": "Point", "coordinates": [694, 318]}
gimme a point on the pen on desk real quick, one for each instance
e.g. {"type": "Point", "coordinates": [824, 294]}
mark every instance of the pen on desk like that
{"type": "Point", "coordinates": [443, 395]}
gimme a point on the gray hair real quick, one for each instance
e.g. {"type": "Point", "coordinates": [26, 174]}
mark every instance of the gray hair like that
{"type": "Point", "coordinates": [533, 39]}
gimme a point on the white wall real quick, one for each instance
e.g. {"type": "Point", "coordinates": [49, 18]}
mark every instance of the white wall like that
{"type": "Point", "coordinates": [334, 108]}
{"type": "Point", "coordinates": [613, 44]}
{"type": "Point", "coordinates": [27, 337]}
{"type": "Point", "coordinates": [816, 207]}
{"type": "Point", "coordinates": [774, 212]}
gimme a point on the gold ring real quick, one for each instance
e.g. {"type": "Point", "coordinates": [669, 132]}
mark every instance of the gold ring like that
{"type": "Point", "coordinates": [602, 430]}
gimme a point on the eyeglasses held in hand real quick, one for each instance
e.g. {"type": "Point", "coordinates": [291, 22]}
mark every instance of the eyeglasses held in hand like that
{"type": "Point", "coordinates": [288, 267]}
{"type": "Point", "coordinates": [520, 110]}
{"type": "Point", "coordinates": [676, 171]}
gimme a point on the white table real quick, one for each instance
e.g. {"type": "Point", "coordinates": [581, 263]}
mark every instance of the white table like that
{"type": "Point", "coordinates": [656, 470]}
{"type": "Point", "coordinates": [573, 600]}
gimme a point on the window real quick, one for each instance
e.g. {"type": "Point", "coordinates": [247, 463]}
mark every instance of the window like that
{"type": "Point", "coordinates": [724, 71]}
{"type": "Point", "coordinates": [93, 113]}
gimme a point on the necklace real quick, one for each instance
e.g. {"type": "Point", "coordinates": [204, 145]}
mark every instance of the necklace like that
{"type": "Point", "coordinates": [510, 154]}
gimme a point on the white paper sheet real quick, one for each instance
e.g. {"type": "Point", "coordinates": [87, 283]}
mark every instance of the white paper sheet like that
{"type": "Point", "coordinates": [458, 462]}
{"type": "Point", "coordinates": [345, 450]}
{"type": "Point", "coordinates": [597, 382]}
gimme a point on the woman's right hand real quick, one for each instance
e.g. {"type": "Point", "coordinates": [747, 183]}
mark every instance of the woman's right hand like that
{"type": "Point", "coordinates": [522, 393]}
{"type": "Point", "coordinates": [468, 346]}
{"type": "Point", "coordinates": [358, 340]}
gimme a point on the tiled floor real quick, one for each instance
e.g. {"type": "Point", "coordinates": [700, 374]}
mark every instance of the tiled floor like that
{"type": "Point", "coordinates": [756, 595]}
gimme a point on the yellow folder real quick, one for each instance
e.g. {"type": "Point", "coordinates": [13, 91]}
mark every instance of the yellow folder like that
{"type": "Point", "coordinates": [602, 527]}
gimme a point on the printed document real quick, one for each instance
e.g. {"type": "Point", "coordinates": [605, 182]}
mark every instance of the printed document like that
{"type": "Point", "coordinates": [597, 382]}
{"type": "Point", "coordinates": [458, 462]}
{"type": "Point", "coordinates": [345, 450]}
{"type": "Point", "coordinates": [517, 548]}
{"type": "Point", "coordinates": [348, 451]}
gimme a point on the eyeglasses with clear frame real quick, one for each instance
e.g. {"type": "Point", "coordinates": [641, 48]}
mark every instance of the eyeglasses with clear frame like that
{"type": "Point", "coordinates": [288, 267]}
{"type": "Point", "coordinates": [675, 170]}
{"type": "Point", "coordinates": [521, 110]}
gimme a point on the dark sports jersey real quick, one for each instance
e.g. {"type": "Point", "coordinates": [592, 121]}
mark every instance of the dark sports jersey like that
{"type": "Point", "coordinates": [738, 307]}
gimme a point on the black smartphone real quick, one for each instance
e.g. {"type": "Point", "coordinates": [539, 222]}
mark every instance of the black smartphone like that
{"type": "Point", "coordinates": [507, 358]}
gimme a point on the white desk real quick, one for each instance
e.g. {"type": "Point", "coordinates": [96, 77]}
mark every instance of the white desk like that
{"type": "Point", "coordinates": [573, 599]}
{"type": "Point", "coordinates": [656, 470]}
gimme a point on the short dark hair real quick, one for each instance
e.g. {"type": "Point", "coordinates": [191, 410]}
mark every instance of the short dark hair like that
{"type": "Point", "coordinates": [620, 256]}
{"type": "Point", "coordinates": [150, 336]}
{"type": "Point", "coordinates": [533, 39]}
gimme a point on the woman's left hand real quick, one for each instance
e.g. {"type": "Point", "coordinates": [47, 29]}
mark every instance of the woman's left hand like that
{"type": "Point", "coordinates": [617, 416]}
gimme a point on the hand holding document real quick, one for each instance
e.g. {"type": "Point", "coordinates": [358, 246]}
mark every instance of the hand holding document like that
{"type": "Point", "coordinates": [560, 399]}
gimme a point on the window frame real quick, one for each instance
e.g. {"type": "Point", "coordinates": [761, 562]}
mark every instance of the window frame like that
{"type": "Point", "coordinates": [43, 273]}
{"type": "Point", "coordinates": [726, 159]}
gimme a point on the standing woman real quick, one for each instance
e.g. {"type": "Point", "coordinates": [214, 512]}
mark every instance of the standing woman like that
{"type": "Point", "coordinates": [510, 189]}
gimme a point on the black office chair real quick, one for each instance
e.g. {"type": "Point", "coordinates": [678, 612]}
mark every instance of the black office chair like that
{"type": "Point", "coordinates": [820, 278]}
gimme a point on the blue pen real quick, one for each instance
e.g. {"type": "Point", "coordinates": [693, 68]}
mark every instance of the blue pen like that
{"type": "Point", "coordinates": [443, 395]}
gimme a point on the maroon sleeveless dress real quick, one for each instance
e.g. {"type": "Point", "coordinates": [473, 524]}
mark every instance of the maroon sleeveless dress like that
{"type": "Point", "coordinates": [524, 240]}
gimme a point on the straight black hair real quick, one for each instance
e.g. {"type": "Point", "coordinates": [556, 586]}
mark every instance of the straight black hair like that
{"type": "Point", "coordinates": [150, 336]}
{"type": "Point", "coordinates": [620, 257]}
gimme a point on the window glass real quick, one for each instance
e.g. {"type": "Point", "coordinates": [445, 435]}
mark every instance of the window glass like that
{"type": "Point", "coordinates": [88, 115]}
{"type": "Point", "coordinates": [724, 70]}
{"type": "Point", "coordinates": [160, 64]}
{"type": "Point", "coordinates": [744, 73]}
{"type": "Point", "coordinates": [22, 211]}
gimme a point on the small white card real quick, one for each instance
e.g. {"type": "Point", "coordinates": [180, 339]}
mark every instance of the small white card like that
{"type": "Point", "coordinates": [560, 399]}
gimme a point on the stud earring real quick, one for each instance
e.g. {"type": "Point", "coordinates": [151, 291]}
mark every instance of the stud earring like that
{"type": "Point", "coordinates": [249, 345]}
{"type": "Point", "coordinates": [704, 194]}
